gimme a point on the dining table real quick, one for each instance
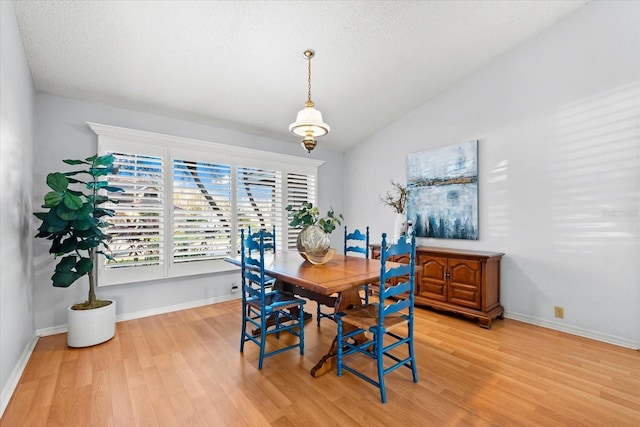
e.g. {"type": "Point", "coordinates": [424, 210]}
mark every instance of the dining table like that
{"type": "Point", "coordinates": [342, 275]}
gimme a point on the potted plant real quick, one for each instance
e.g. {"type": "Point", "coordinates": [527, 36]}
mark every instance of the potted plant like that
{"type": "Point", "coordinates": [73, 222]}
{"type": "Point", "coordinates": [397, 198]}
{"type": "Point", "coordinates": [313, 241]}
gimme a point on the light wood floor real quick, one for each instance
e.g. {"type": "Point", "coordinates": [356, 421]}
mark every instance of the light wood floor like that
{"type": "Point", "coordinates": [185, 369]}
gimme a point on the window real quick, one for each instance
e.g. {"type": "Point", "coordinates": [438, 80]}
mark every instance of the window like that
{"type": "Point", "coordinates": [185, 202]}
{"type": "Point", "coordinates": [300, 188]}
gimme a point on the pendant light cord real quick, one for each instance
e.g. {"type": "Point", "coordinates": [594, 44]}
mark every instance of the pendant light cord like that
{"type": "Point", "coordinates": [309, 80]}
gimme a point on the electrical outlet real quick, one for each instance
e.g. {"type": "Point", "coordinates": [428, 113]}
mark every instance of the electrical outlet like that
{"type": "Point", "coordinates": [559, 312]}
{"type": "Point", "coordinates": [234, 288]}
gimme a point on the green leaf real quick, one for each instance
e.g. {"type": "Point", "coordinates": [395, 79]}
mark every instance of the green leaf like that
{"type": "Point", "coordinates": [75, 173]}
{"type": "Point", "coordinates": [75, 162]}
{"type": "Point", "coordinates": [84, 266]}
{"type": "Point", "coordinates": [64, 279]}
{"type": "Point", "coordinates": [101, 171]}
{"type": "Point", "coordinates": [89, 232]}
{"type": "Point", "coordinates": [75, 181]}
{"type": "Point", "coordinates": [85, 223]}
{"type": "Point", "coordinates": [105, 160]}
{"type": "Point", "coordinates": [65, 213]}
{"type": "Point", "coordinates": [92, 158]}
{"type": "Point", "coordinates": [42, 233]}
{"type": "Point", "coordinates": [41, 215]}
{"type": "Point", "coordinates": [98, 200]}
{"type": "Point", "coordinates": [69, 244]}
{"type": "Point", "coordinates": [85, 211]}
{"type": "Point", "coordinates": [66, 264]}
{"type": "Point", "coordinates": [54, 224]}
{"type": "Point", "coordinates": [98, 184]}
{"type": "Point", "coordinates": [100, 212]}
{"type": "Point", "coordinates": [72, 201]}
{"type": "Point", "coordinates": [87, 244]}
{"type": "Point", "coordinates": [57, 181]}
{"type": "Point", "coordinates": [114, 189]}
{"type": "Point", "coordinates": [52, 199]}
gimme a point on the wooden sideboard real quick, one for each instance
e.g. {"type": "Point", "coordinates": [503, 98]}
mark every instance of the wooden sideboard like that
{"type": "Point", "coordinates": [461, 281]}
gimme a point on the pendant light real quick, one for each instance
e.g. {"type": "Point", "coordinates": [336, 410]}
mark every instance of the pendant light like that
{"type": "Point", "coordinates": [309, 122]}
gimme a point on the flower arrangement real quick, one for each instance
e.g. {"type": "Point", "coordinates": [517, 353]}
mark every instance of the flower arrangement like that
{"type": "Point", "coordinates": [397, 198]}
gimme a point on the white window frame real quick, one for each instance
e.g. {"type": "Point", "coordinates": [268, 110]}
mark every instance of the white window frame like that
{"type": "Point", "coordinates": [113, 138]}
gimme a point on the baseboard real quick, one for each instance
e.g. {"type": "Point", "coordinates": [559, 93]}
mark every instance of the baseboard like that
{"type": "Point", "coordinates": [556, 326]}
{"type": "Point", "coordinates": [176, 307]}
{"type": "Point", "coordinates": [14, 378]}
{"type": "Point", "coordinates": [146, 313]}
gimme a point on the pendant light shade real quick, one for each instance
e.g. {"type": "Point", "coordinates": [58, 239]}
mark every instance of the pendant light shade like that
{"type": "Point", "coordinates": [309, 123]}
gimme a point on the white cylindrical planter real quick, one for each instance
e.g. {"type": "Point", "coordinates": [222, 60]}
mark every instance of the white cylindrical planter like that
{"type": "Point", "coordinates": [91, 327]}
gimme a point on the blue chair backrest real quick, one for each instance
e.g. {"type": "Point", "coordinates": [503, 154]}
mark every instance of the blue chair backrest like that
{"type": "Point", "coordinates": [356, 236]}
{"type": "Point", "coordinates": [404, 276]}
{"type": "Point", "coordinates": [252, 265]}
{"type": "Point", "coordinates": [269, 239]}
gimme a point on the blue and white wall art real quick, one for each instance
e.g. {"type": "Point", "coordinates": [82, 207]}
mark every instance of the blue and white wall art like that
{"type": "Point", "coordinates": [443, 192]}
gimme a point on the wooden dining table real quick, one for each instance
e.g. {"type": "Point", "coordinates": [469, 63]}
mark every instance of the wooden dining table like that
{"type": "Point", "coordinates": [342, 275]}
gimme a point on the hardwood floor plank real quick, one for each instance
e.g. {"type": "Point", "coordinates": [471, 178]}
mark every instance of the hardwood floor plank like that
{"type": "Point", "coordinates": [185, 368]}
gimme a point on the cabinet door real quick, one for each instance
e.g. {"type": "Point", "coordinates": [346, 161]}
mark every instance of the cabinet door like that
{"type": "Point", "coordinates": [432, 280]}
{"type": "Point", "coordinates": [465, 282]}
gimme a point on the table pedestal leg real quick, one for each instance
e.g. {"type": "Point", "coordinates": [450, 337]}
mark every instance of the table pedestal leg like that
{"type": "Point", "coordinates": [346, 299]}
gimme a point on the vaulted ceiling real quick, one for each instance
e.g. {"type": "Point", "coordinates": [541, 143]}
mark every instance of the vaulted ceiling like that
{"type": "Point", "coordinates": [239, 64]}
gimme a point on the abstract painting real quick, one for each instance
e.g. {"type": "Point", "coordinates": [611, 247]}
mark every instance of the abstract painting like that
{"type": "Point", "coordinates": [443, 192]}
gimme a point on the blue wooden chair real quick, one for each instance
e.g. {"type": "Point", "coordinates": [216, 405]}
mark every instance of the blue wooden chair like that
{"type": "Point", "coordinates": [357, 243]}
{"type": "Point", "coordinates": [391, 319]}
{"type": "Point", "coordinates": [358, 248]}
{"type": "Point", "coordinates": [259, 303]}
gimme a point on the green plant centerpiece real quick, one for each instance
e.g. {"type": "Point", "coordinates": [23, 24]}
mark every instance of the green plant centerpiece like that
{"type": "Point", "coordinates": [74, 222]}
{"type": "Point", "coordinates": [313, 241]}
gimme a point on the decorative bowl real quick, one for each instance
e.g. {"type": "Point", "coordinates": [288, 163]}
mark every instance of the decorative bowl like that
{"type": "Point", "coordinates": [319, 259]}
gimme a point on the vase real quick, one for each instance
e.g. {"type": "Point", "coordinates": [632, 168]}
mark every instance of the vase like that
{"type": "Point", "coordinates": [399, 227]}
{"type": "Point", "coordinates": [313, 244]}
{"type": "Point", "coordinates": [90, 327]}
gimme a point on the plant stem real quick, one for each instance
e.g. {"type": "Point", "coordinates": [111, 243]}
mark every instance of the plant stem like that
{"type": "Point", "coordinates": [92, 251]}
{"type": "Point", "coordinates": [92, 288]}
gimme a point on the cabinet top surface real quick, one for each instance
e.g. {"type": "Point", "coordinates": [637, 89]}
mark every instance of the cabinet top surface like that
{"type": "Point", "coordinates": [450, 251]}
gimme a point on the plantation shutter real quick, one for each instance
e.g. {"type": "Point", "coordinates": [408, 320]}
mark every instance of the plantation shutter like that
{"type": "Point", "coordinates": [300, 188]}
{"type": "Point", "coordinates": [138, 226]}
{"type": "Point", "coordinates": [185, 201]}
{"type": "Point", "coordinates": [259, 200]}
{"type": "Point", "coordinates": [202, 211]}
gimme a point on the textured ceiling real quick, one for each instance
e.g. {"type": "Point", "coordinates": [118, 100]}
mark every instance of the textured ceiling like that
{"type": "Point", "coordinates": [239, 64]}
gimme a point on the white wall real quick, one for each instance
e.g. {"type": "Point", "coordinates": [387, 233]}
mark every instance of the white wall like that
{"type": "Point", "coordinates": [559, 160]}
{"type": "Point", "coordinates": [16, 243]}
{"type": "Point", "coordinates": [61, 132]}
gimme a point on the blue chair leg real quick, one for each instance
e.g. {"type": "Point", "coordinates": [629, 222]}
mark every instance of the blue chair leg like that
{"type": "Point", "coordinates": [379, 352]}
{"type": "Point", "coordinates": [414, 368]}
{"type": "Point", "coordinates": [263, 338]}
{"type": "Point", "coordinates": [366, 294]}
{"type": "Point", "coordinates": [339, 344]}
{"type": "Point", "coordinates": [244, 330]}
{"type": "Point", "coordinates": [301, 330]}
